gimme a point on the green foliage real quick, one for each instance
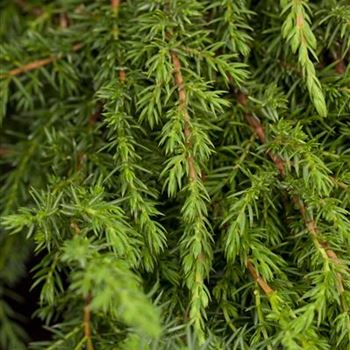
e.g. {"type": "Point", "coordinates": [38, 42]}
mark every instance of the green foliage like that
{"type": "Point", "coordinates": [297, 30]}
{"type": "Point", "coordinates": [180, 170]}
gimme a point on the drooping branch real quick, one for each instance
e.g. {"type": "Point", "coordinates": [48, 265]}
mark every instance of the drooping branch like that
{"type": "Point", "coordinates": [87, 308]}
{"type": "Point", "coordinates": [198, 254]}
{"type": "Point", "coordinates": [311, 225]}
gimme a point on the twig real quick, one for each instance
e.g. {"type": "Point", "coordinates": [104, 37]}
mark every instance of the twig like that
{"type": "Point", "coordinates": [311, 225]}
{"type": "Point", "coordinates": [115, 4]}
{"type": "Point", "coordinates": [192, 175]}
{"type": "Point", "coordinates": [64, 21]}
{"type": "Point", "coordinates": [37, 64]}
{"type": "Point", "coordinates": [260, 132]}
{"type": "Point", "coordinates": [87, 322]}
{"type": "Point", "coordinates": [183, 108]}
{"type": "Point", "coordinates": [122, 75]}
{"type": "Point", "coordinates": [258, 279]}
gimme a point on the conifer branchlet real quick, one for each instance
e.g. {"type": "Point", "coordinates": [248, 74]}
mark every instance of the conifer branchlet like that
{"type": "Point", "coordinates": [178, 171]}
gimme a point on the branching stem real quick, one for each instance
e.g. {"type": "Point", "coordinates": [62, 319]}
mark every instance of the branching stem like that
{"type": "Point", "coordinates": [311, 225]}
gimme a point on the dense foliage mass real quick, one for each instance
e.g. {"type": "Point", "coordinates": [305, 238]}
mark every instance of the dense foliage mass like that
{"type": "Point", "coordinates": [181, 170]}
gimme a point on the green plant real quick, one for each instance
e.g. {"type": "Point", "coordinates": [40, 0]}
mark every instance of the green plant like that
{"type": "Point", "coordinates": [181, 168]}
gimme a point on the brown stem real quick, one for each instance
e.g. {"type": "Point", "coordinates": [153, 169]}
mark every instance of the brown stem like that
{"type": "Point", "coordinates": [179, 80]}
{"type": "Point", "coordinates": [122, 75]}
{"type": "Point", "coordinates": [258, 129]}
{"type": "Point", "coordinates": [115, 3]}
{"type": "Point", "coordinates": [87, 323]}
{"type": "Point", "coordinates": [37, 64]}
{"type": "Point", "coordinates": [311, 225]}
{"type": "Point", "coordinates": [260, 281]}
